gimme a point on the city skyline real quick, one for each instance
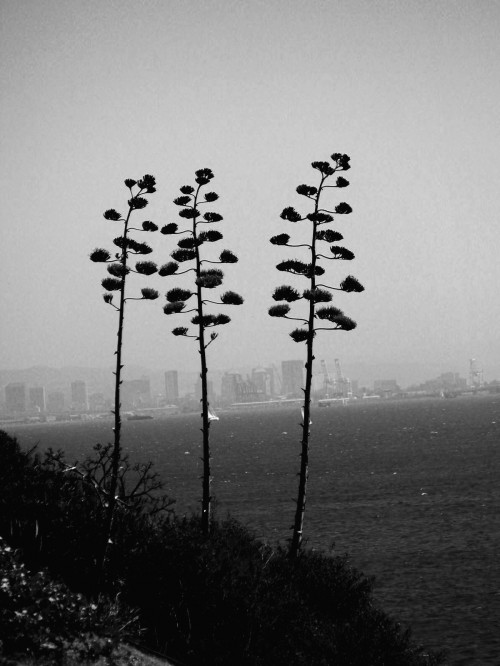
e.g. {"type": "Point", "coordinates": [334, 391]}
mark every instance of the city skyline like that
{"type": "Point", "coordinates": [409, 90]}
{"type": "Point", "coordinates": [261, 385]}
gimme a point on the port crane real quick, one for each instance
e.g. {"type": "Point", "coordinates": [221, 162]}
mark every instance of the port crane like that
{"type": "Point", "coordinates": [327, 382]}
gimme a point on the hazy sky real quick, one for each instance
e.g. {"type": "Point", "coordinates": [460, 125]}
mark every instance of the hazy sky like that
{"type": "Point", "coordinates": [97, 91]}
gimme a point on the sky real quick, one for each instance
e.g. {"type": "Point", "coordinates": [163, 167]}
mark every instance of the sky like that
{"type": "Point", "coordinates": [95, 92]}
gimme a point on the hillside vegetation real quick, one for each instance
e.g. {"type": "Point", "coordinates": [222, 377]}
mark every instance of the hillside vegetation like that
{"type": "Point", "coordinates": [223, 600]}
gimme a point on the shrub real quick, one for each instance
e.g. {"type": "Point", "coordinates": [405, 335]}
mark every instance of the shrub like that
{"type": "Point", "coordinates": [42, 620]}
{"type": "Point", "coordinates": [220, 600]}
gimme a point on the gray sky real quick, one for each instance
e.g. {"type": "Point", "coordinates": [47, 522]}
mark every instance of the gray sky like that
{"type": "Point", "coordinates": [98, 91]}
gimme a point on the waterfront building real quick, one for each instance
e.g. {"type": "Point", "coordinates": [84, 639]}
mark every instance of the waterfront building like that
{"type": "Point", "coordinates": [230, 387]}
{"type": "Point", "coordinates": [15, 398]}
{"type": "Point", "coordinates": [55, 402]}
{"type": "Point", "coordinates": [293, 378]}
{"type": "Point", "coordinates": [386, 387]}
{"type": "Point", "coordinates": [263, 382]}
{"type": "Point", "coordinates": [171, 387]}
{"type": "Point", "coordinates": [97, 402]}
{"type": "Point", "coordinates": [136, 393]}
{"type": "Point", "coordinates": [79, 396]}
{"type": "Point", "coordinates": [36, 399]}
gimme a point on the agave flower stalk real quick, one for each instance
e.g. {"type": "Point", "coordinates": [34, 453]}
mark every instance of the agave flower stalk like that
{"type": "Point", "coordinates": [118, 269]}
{"type": "Point", "coordinates": [189, 251]}
{"type": "Point", "coordinates": [315, 295]}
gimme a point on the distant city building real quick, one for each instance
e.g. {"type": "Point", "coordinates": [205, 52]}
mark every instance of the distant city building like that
{"type": "Point", "coordinates": [15, 398]}
{"type": "Point", "coordinates": [230, 388]}
{"type": "Point", "coordinates": [171, 387]}
{"type": "Point", "coordinates": [36, 399]}
{"type": "Point", "coordinates": [79, 396]}
{"type": "Point", "coordinates": [97, 402]}
{"type": "Point", "coordinates": [292, 378]}
{"type": "Point", "coordinates": [385, 387]}
{"type": "Point", "coordinates": [136, 393]}
{"type": "Point", "coordinates": [476, 379]}
{"type": "Point", "coordinates": [263, 382]}
{"type": "Point", "coordinates": [55, 402]}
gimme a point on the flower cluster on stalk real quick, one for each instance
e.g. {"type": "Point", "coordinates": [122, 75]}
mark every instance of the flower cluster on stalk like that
{"type": "Point", "coordinates": [118, 262]}
{"type": "Point", "coordinates": [189, 252]}
{"type": "Point", "coordinates": [311, 269]}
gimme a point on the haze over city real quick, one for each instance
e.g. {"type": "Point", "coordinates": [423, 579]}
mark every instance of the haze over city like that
{"type": "Point", "coordinates": [95, 92]}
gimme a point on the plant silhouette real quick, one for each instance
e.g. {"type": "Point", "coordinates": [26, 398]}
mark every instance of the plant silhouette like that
{"type": "Point", "coordinates": [317, 296]}
{"type": "Point", "coordinates": [205, 277]}
{"type": "Point", "coordinates": [118, 269]}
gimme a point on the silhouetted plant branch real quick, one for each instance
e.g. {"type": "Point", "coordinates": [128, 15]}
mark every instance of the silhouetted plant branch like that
{"type": "Point", "coordinates": [118, 269]}
{"type": "Point", "coordinates": [315, 294]}
{"type": "Point", "coordinates": [189, 249]}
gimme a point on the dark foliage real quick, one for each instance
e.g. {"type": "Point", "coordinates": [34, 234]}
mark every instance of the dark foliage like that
{"type": "Point", "coordinates": [174, 308]}
{"type": "Point", "coordinates": [170, 228]}
{"type": "Point", "coordinates": [100, 254]}
{"type": "Point", "coordinates": [280, 239]}
{"type": "Point", "coordinates": [181, 255]}
{"type": "Point", "coordinates": [220, 600]}
{"type": "Point", "coordinates": [300, 335]}
{"type": "Point", "coordinates": [290, 214]}
{"type": "Point", "coordinates": [178, 294]}
{"type": "Point", "coordinates": [280, 310]}
{"type": "Point", "coordinates": [286, 293]}
{"type": "Point", "coordinates": [149, 294]}
{"type": "Point", "coordinates": [231, 298]}
{"type": "Point", "coordinates": [111, 284]}
{"type": "Point", "coordinates": [210, 278]}
{"type": "Point", "coordinates": [45, 622]}
{"type": "Point", "coordinates": [211, 236]}
{"type": "Point", "coordinates": [340, 252]}
{"type": "Point", "coordinates": [169, 268]}
{"type": "Point", "coordinates": [329, 235]}
{"type": "Point", "coordinates": [317, 295]}
{"type": "Point", "coordinates": [147, 225]}
{"type": "Point", "coordinates": [228, 257]}
{"type": "Point", "coordinates": [331, 313]}
{"type": "Point", "coordinates": [351, 284]}
{"type": "Point", "coordinates": [112, 214]}
{"type": "Point", "coordinates": [146, 267]}
{"type": "Point", "coordinates": [118, 270]}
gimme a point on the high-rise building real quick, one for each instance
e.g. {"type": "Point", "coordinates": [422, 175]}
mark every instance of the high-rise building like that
{"type": "Point", "coordinates": [15, 398]}
{"type": "Point", "coordinates": [386, 387]}
{"type": "Point", "coordinates": [171, 387]}
{"type": "Point", "coordinates": [79, 396]}
{"type": "Point", "coordinates": [136, 393]}
{"type": "Point", "coordinates": [263, 382]}
{"type": "Point", "coordinates": [230, 387]}
{"type": "Point", "coordinates": [293, 378]}
{"type": "Point", "coordinates": [55, 402]}
{"type": "Point", "coordinates": [36, 399]}
{"type": "Point", "coordinates": [97, 403]}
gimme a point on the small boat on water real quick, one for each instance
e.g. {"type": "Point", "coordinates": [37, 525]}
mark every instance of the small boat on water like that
{"type": "Point", "coordinates": [139, 417]}
{"type": "Point", "coordinates": [212, 416]}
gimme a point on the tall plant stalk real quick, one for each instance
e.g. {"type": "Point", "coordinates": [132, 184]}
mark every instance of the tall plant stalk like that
{"type": "Point", "coordinates": [118, 268]}
{"type": "Point", "coordinates": [188, 250]}
{"type": "Point", "coordinates": [314, 294]}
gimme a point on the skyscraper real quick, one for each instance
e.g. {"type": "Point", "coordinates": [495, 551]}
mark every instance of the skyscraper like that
{"type": "Point", "coordinates": [15, 398]}
{"type": "Point", "coordinates": [136, 393]}
{"type": "Point", "coordinates": [79, 396]}
{"type": "Point", "coordinates": [171, 387]}
{"type": "Point", "coordinates": [36, 400]}
{"type": "Point", "coordinates": [55, 402]}
{"type": "Point", "coordinates": [293, 378]}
